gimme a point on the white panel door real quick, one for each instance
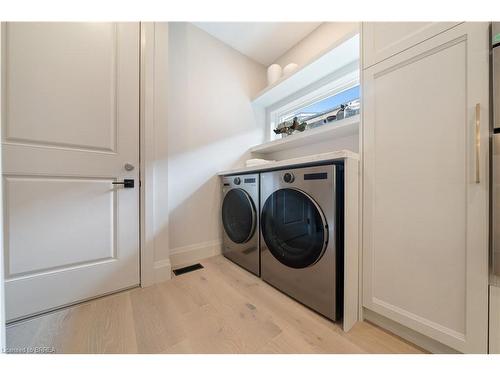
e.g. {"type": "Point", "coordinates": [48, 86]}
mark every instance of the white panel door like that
{"type": "Point", "coordinates": [70, 125]}
{"type": "Point", "coordinates": [425, 236]}
{"type": "Point", "coordinates": [385, 39]}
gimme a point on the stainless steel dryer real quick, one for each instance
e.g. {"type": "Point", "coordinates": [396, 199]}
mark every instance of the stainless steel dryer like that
{"type": "Point", "coordinates": [240, 220]}
{"type": "Point", "coordinates": [302, 235]}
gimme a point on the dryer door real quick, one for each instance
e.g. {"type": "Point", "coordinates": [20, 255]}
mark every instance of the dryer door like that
{"type": "Point", "coordinates": [238, 216]}
{"type": "Point", "coordinates": [294, 228]}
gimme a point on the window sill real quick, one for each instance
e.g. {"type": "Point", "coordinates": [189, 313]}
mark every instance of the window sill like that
{"type": "Point", "coordinates": [339, 129]}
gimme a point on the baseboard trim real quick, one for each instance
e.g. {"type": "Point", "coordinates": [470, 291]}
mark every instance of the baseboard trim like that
{"type": "Point", "coordinates": [162, 270]}
{"type": "Point", "coordinates": [187, 255]}
{"type": "Point", "coordinates": [406, 333]}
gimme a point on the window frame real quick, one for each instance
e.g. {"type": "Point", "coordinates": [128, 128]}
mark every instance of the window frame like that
{"type": "Point", "coordinates": [340, 80]}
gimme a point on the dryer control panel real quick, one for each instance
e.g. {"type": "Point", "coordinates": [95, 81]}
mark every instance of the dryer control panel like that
{"type": "Point", "coordinates": [248, 181]}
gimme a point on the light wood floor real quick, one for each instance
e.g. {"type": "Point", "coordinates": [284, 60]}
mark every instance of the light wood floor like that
{"type": "Point", "coordinates": [219, 309]}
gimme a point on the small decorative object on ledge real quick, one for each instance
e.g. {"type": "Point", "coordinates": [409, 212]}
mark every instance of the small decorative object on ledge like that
{"type": "Point", "coordinates": [289, 69]}
{"type": "Point", "coordinates": [274, 73]}
{"type": "Point", "coordinates": [288, 127]}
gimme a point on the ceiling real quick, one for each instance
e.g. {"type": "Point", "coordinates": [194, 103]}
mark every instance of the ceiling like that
{"type": "Point", "coordinates": [263, 42]}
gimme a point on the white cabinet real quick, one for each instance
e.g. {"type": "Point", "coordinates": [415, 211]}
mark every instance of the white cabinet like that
{"type": "Point", "coordinates": [425, 218]}
{"type": "Point", "coordinates": [384, 39]}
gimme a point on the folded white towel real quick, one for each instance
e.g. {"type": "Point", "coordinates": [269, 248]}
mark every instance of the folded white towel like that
{"type": "Point", "coordinates": [254, 162]}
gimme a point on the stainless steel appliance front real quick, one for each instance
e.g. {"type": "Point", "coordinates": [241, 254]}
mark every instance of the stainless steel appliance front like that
{"type": "Point", "coordinates": [298, 235]}
{"type": "Point", "coordinates": [240, 220]}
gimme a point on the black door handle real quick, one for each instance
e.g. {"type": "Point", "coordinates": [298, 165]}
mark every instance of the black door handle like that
{"type": "Point", "coordinates": [127, 183]}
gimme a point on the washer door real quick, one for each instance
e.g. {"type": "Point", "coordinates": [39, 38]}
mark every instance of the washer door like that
{"type": "Point", "coordinates": [294, 228]}
{"type": "Point", "coordinates": [238, 216]}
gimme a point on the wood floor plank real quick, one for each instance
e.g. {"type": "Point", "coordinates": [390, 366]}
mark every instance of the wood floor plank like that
{"type": "Point", "coordinates": [112, 329]}
{"type": "Point", "coordinates": [218, 309]}
{"type": "Point", "coordinates": [319, 332]}
{"type": "Point", "coordinates": [67, 329]}
{"type": "Point", "coordinates": [157, 324]}
{"type": "Point", "coordinates": [36, 333]}
{"type": "Point", "coordinates": [377, 341]}
{"type": "Point", "coordinates": [210, 333]}
{"type": "Point", "coordinates": [181, 295]}
{"type": "Point", "coordinates": [254, 326]}
{"type": "Point", "coordinates": [104, 325]}
{"type": "Point", "coordinates": [289, 343]}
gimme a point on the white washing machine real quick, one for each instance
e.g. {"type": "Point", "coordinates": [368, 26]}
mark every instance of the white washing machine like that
{"type": "Point", "coordinates": [302, 235]}
{"type": "Point", "coordinates": [240, 220]}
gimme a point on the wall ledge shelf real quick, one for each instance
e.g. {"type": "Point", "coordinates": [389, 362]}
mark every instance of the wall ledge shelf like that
{"type": "Point", "coordinates": [338, 129]}
{"type": "Point", "coordinates": [344, 52]}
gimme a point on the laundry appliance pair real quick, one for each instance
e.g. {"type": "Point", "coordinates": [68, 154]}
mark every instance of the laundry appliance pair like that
{"type": "Point", "coordinates": [286, 226]}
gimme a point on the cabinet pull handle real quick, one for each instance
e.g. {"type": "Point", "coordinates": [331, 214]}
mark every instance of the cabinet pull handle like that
{"type": "Point", "coordinates": [478, 140]}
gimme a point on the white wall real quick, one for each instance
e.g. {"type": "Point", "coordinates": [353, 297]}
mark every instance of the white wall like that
{"type": "Point", "coordinates": [317, 42]}
{"type": "Point", "coordinates": [155, 261]}
{"type": "Point", "coordinates": [161, 241]}
{"type": "Point", "coordinates": [211, 125]}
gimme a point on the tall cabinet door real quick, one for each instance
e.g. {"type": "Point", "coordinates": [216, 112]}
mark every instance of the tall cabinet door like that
{"type": "Point", "coordinates": [385, 39]}
{"type": "Point", "coordinates": [425, 233]}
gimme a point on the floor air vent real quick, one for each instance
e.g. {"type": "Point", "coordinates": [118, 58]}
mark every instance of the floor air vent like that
{"type": "Point", "coordinates": [187, 269]}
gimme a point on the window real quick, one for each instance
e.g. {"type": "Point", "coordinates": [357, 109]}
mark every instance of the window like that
{"type": "Point", "coordinates": [326, 103]}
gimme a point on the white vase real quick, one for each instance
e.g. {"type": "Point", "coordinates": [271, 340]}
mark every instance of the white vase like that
{"type": "Point", "coordinates": [290, 68]}
{"type": "Point", "coordinates": [274, 73]}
